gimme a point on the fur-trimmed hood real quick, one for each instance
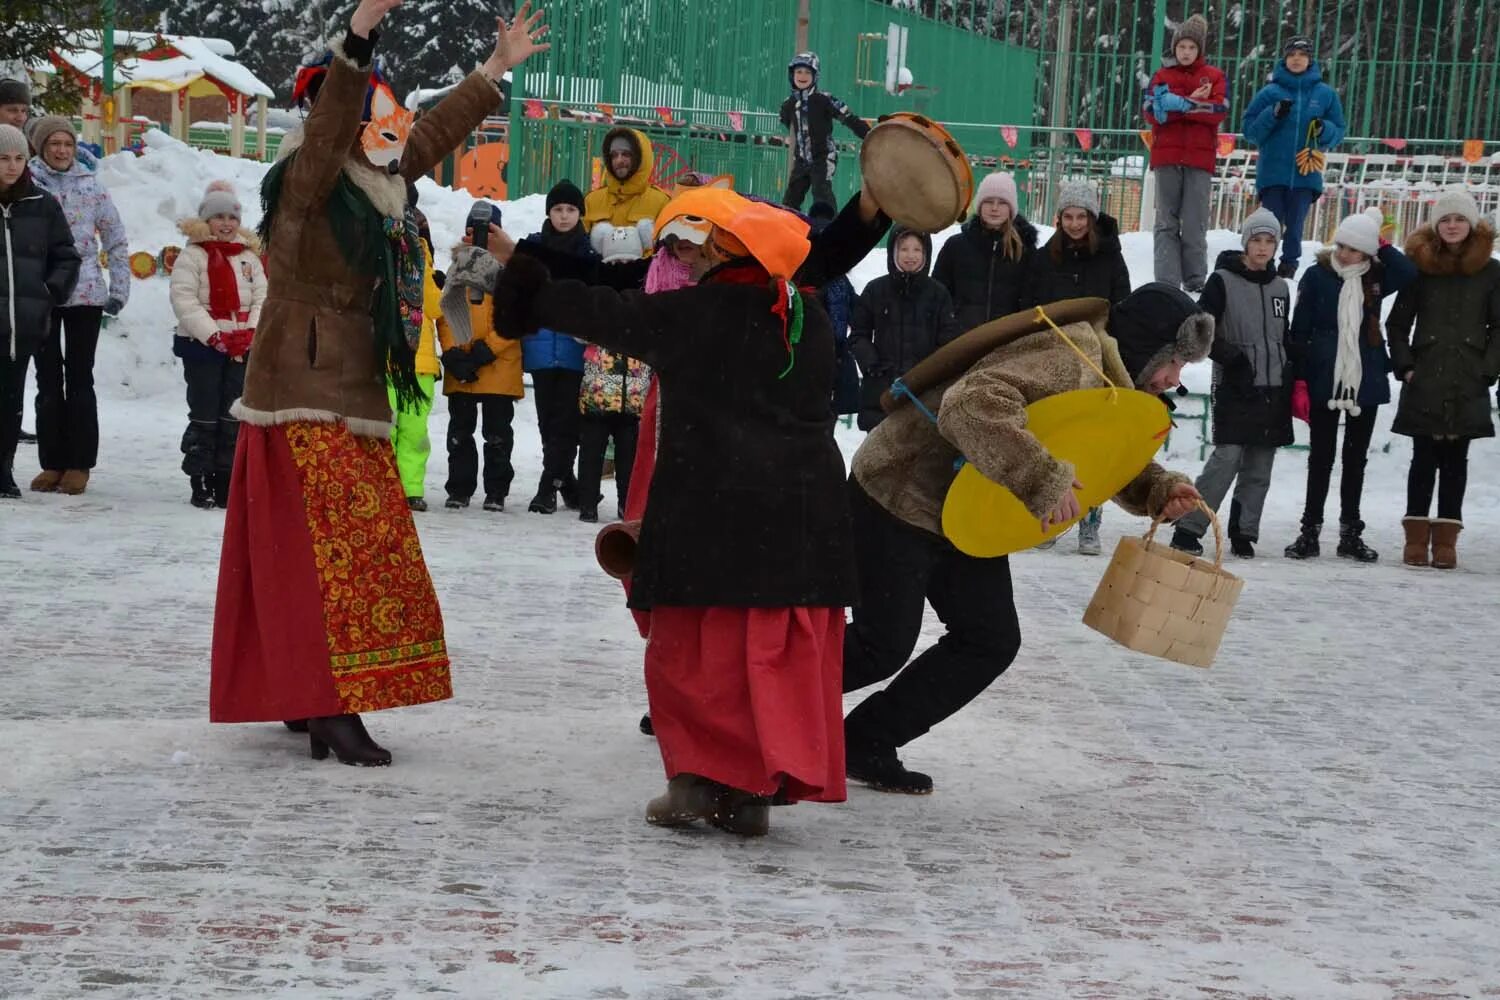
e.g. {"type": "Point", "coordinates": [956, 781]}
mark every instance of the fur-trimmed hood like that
{"type": "Point", "coordinates": [197, 231]}
{"type": "Point", "coordinates": [1427, 250]}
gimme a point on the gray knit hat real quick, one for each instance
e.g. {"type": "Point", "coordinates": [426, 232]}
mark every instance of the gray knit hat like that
{"type": "Point", "coordinates": [14, 92]}
{"type": "Point", "coordinates": [43, 128]}
{"type": "Point", "coordinates": [1456, 200]}
{"type": "Point", "coordinates": [1078, 193]}
{"type": "Point", "coordinates": [1194, 29]}
{"type": "Point", "coordinates": [12, 141]}
{"type": "Point", "coordinates": [1257, 223]}
{"type": "Point", "coordinates": [219, 199]}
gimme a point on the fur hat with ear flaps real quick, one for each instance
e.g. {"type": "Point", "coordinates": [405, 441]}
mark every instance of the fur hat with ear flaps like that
{"type": "Point", "coordinates": [1158, 323]}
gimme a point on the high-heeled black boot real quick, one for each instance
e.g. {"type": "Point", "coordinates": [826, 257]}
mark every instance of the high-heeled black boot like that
{"type": "Point", "coordinates": [296, 725]}
{"type": "Point", "coordinates": [345, 735]}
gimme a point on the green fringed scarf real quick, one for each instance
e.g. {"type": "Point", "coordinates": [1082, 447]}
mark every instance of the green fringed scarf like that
{"type": "Point", "coordinates": [387, 249]}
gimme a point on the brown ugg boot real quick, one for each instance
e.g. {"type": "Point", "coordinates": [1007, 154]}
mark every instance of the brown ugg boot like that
{"type": "Point", "coordinates": [1418, 538]}
{"type": "Point", "coordinates": [46, 481]}
{"type": "Point", "coordinates": [689, 798]}
{"type": "Point", "coordinates": [74, 482]}
{"type": "Point", "coordinates": [1445, 543]}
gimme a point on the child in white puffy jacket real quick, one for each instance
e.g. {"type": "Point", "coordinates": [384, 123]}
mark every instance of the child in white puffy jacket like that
{"type": "Point", "coordinates": [218, 288]}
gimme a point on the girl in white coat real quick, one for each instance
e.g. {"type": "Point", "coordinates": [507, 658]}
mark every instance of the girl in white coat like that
{"type": "Point", "coordinates": [218, 287]}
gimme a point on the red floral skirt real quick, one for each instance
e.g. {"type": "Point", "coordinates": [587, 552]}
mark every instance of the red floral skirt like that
{"type": "Point", "coordinates": [750, 697]}
{"type": "Point", "coordinates": [325, 605]}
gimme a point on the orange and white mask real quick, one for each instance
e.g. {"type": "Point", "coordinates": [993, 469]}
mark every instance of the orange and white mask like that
{"type": "Point", "coordinates": [385, 133]}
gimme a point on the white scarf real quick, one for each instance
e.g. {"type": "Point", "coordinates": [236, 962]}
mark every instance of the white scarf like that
{"type": "Point", "coordinates": [1348, 371]}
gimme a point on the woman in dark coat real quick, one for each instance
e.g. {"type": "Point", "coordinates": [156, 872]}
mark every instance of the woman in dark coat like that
{"type": "Point", "coordinates": [38, 268]}
{"type": "Point", "coordinates": [1083, 258]}
{"type": "Point", "coordinates": [984, 266]}
{"type": "Point", "coordinates": [745, 558]}
{"type": "Point", "coordinates": [1446, 367]}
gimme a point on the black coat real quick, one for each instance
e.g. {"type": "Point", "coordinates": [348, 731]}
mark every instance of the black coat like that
{"type": "Point", "coordinates": [1252, 387]}
{"type": "Point", "coordinates": [748, 506]}
{"type": "Point", "coordinates": [898, 320]}
{"type": "Point", "coordinates": [38, 264]}
{"type": "Point", "coordinates": [1445, 330]}
{"type": "Point", "coordinates": [1078, 274]}
{"type": "Point", "coordinates": [983, 283]}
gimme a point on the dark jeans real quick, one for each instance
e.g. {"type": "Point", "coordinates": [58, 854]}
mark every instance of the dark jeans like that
{"type": "Point", "coordinates": [555, 391]}
{"type": "Point", "coordinates": [12, 399]}
{"type": "Point", "coordinates": [212, 387]}
{"type": "Point", "coordinates": [1290, 206]}
{"type": "Point", "coordinates": [900, 567]}
{"type": "Point", "coordinates": [67, 412]}
{"type": "Point", "coordinates": [464, 410]}
{"type": "Point", "coordinates": [1445, 464]}
{"type": "Point", "coordinates": [594, 436]}
{"type": "Point", "coordinates": [1324, 424]}
{"type": "Point", "coordinates": [818, 176]}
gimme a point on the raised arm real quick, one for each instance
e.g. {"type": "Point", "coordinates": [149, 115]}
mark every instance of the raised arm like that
{"type": "Point", "coordinates": [852, 121]}
{"type": "Point", "coordinates": [848, 239]}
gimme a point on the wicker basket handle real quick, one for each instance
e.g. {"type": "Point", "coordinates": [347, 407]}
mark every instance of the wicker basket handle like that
{"type": "Point", "coordinates": [1213, 519]}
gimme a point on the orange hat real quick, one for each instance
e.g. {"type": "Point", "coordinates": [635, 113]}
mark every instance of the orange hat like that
{"type": "Point", "coordinates": [776, 238]}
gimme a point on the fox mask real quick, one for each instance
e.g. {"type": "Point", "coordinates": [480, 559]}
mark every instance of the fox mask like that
{"type": "Point", "coordinates": [384, 136]}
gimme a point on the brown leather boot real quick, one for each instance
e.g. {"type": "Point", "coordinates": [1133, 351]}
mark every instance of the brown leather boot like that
{"type": "Point", "coordinates": [46, 481]}
{"type": "Point", "coordinates": [688, 799]}
{"type": "Point", "coordinates": [1445, 543]}
{"type": "Point", "coordinates": [74, 482]}
{"type": "Point", "coordinates": [1418, 538]}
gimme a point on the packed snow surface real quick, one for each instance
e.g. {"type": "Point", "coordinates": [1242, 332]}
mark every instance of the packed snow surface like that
{"type": "Point", "coordinates": [1312, 819]}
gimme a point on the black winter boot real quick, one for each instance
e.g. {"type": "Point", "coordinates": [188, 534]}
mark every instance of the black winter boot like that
{"type": "Point", "coordinates": [8, 488]}
{"type": "Point", "coordinates": [1241, 547]}
{"type": "Point", "coordinates": [876, 765]}
{"type": "Point", "coordinates": [347, 737]}
{"type": "Point", "coordinates": [1186, 541]}
{"type": "Point", "coordinates": [545, 501]}
{"type": "Point", "coordinates": [1306, 545]}
{"type": "Point", "coordinates": [219, 483]}
{"type": "Point", "coordinates": [567, 490]}
{"type": "Point", "coordinates": [1352, 546]}
{"type": "Point", "coordinates": [203, 497]}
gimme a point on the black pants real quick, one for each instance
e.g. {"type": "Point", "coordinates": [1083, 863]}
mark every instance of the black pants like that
{"type": "Point", "coordinates": [594, 435]}
{"type": "Point", "coordinates": [67, 411]}
{"type": "Point", "coordinates": [555, 391]}
{"type": "Point", "coordinates": [818, 176]}
{"type": "Point", "coordinates": [900, 567]}
{"type": "Point", "coordinates": [464, 410]}
{"type": "Point", "coordinates": [1445, 464]}
{"type": "Point", "coordinates": [1324, 424]}
{"type": "Point", "coordinates": [212, 387]}
{"type": "Point", "coordinates": [12, 399]}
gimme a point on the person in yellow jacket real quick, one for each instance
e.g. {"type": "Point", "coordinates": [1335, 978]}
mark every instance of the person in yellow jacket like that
{"type": "Point", "coordinates": [481, 378]}
{"type": "Point", "coordinates": [627, 195]}
{"type": "Point", "coordinates": [409, 429]}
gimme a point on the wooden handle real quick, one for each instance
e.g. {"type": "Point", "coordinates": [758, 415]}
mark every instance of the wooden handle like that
{"type": "Point", "coordinates": [1213, 519]}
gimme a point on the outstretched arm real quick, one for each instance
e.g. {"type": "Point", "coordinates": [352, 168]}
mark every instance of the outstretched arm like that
{"type": "Point", "coordinates": [854, 122]}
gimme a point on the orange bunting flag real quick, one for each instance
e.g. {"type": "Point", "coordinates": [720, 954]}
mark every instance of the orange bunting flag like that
{"type": "Point", "coordinates": [1085, 138]}
{"type": "Point", "coordinates": [608, 111]}
{"type": "Point", "coordinates": [1146, 137]}
{"type": "Point", "coordinates": [1010, 134]}
{"type": "Point", "coordinates": [1473, 150]}
{"type": "Point", "coordinates": [534, 109]}
{"type": "Point", "coordinates": [737, 120]}
{"type": "Point", "coordinates": [1397, 144]}
{"type": "Point", "coordinates": [665, 114]}
{"type": "Point", "coordinates": [1226, 144]}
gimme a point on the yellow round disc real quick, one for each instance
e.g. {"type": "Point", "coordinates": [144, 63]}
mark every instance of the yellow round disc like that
{"type": "Point", "coordinates": [1108, 441]}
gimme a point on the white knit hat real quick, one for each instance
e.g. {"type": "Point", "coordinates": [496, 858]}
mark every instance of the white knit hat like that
{"type": "Point", "coordinates": [1257, 223]}
{"type": "Point", "coordinates": [1361, 231]}
{"type": "Point", "coordinates": [219, 199]}
{"type": "Point", "coordinates": [1078, 193]}
{"type": "Point", "coordinates": [999, 185]}
{"type": "Point", "coordinates": [13, 140]}
{"type": "Point", "coordinates": [1456, 200]}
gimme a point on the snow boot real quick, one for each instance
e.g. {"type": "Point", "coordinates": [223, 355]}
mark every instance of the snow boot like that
{"type": "Point", "coordinates": [567, 491]}
{"type": "Point", "coordinates": [346, 736]}
{"type": "Point", "coordinates": [202, 498]}
{"type": "Point", "coordinates": [1241, 547]}
{"type": "Point", "coordinates": [494, 505]}
{"type": "Point", "coordinates": [1445, 543]}
{"type": "Point", "coordinates": [589, 514]}
{"type": "Point", "coordinates": [295, 725]}
{"type": "Point", "coordinates": [1186, 541]}
{"type": "Point", "coordinates": [744, 814]}
{"type": "Point", "coordinates": [1419, 533]}
{"type": "Point", "coordinates": [8, 488]}
{"type": "Point", "coordinates": [26, 438]}
{"type": "Point", "coordinates": [74, 482]}
{"type": "Point", "coordinates": [46, 481]}
{"type": "Point", "coordinates": [220, 484]}
{"type": "Point", "coordinates": [416, 504]}
{"type": "Point", "coordinates": [877, 765]}
{"type": "Point", "coordinates": [1306, 545]}
{"type": "Point", "coordinates": [545, 501]}
{"type": "Point", "coordinates": [456, 503]}
{"type": "Point", "coordinates": [1088, 532]}
{"type": "Point", "coordinates": [1352, 546]}
{"type": "Point", "coordinates": [647, 729]}
{"type": "Point", "coordinates": [688, 799]}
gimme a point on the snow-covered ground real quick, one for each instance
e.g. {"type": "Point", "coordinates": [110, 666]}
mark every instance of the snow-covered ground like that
{"type": "Point", "coordinates": [1312, 818]}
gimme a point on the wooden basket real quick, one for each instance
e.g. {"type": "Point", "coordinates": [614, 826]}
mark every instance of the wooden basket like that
{"type": "Point", "coordinates": [1156, 600]}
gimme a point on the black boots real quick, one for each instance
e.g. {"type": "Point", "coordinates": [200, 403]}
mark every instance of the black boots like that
{"type": "Point", "coordinates": [1186, 541]}
{"type": "Point", "coordinates": [545, 501]}
{"type": "Point", "coordinates": [1352, 546]}
{"type": "Point", "coordinates": [876, 765]}
{"type": "Point", "coordinates": [1306, 545]}
{"type": "Point", "coordinates": [494, 504]}
{"type": "Point", "coordinates": [203, 497]}
{"type": "Point", "coordinates": [1241, 547]}
{"type": "Point", "coordinates": [345, 735]}
{"type": "Point", "coordinates": [8, 488]}
{"type": "Point", "coordinates": [567, 491]}
{"type": "Point", "coordinates": [647, 729]}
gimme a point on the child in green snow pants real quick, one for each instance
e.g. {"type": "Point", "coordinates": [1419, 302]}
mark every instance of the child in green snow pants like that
{"type": "Point", "coordinates": [409, 438]}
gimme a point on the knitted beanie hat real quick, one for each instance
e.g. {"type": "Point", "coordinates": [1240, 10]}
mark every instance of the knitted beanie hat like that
{"type": "Point", "coordinates": [12, 141]}
{"type": "Point", "coordinates": [14, 92]}
{"type": "Point", "coordinates": [1456, 200]}
{"type": "Point", "coordinates": [219, 199]}
{"type": "Point", "coordinates": [1194, 29]}
{"type": "Point", "coordinates": [46, 127]}
{"type": "Point", "coordinates": [1078, 193]}
{"type": "Point", "coordinates": [565, 193]}
{"type": "Point", "coordinates": [1298, 43]}
{"type": "Point", "coordinates": [999, 185]}
{"type": "Point", "coordinates": [1361, 231]}
{"type": "Point", "coordinates": [1257, 223]}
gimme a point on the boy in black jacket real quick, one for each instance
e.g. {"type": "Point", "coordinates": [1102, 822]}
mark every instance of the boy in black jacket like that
{"type": "Point", "coordinates": [809, 113]}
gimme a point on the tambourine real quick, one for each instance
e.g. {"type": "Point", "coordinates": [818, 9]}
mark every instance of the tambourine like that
{"type": "Point", "coordinates": [916, 172]}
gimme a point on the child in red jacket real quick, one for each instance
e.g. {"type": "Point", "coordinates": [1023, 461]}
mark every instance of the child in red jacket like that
{"type": "Point", "coordinates": [1185, 102]}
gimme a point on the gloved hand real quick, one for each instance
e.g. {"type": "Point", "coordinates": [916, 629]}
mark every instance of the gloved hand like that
{"type": "Point", "coordinates": [236, 343]}
{"type": "Point", "coordinates": [1170, 101]}
{"type": "Point", "coordinates": [456, 362]}
{"type": "Point", "coordinates": [480, 355]}
{"type": "Point", "coordinates": [113, 306]}
{"type": "Point", "coordinates": [216, 341]}
{"type": "Point", "coordinates": [1301, 401]}
{"type": "Point", "coordinates": [1283, 108]}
